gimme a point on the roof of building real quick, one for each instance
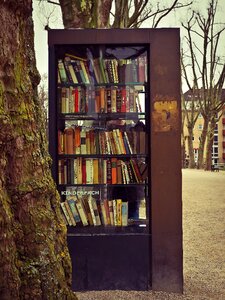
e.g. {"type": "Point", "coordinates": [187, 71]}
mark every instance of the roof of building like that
{"type": "Point", "coordinates": [188, 95]}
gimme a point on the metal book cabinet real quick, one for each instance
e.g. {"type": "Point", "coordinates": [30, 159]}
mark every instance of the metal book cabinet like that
{"type": "Point", "coordinates": [114, 128]}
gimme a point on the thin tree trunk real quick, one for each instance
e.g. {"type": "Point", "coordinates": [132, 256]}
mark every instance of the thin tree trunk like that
{"type": "Point", "coordinates": [200, 164]}
{"type": "Point", "coordinates": [209, 144]}
{"type": "Point", "coordinates": [35, 263]}
{"type": "Point", "coordinates": [191, 164]}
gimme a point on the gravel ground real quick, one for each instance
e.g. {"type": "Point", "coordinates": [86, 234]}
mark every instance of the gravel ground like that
{"type": "Point", "coordinates": [203, 243]}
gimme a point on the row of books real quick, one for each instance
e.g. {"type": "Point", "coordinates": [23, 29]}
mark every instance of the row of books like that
{"type": "Point", "coordinates": [101, 171]}
{"type": "Point", "coordinates": [99, 100]}
{"type": "Point", "coordinates": [80, 140]}
{"type": "Point", "coordinates": [74, 69]}
{"type": "Point", "coordinates": [87, 210]}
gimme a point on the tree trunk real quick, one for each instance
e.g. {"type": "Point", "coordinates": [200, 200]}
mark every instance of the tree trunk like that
{"type": "Point", "coordinates": [35, 263]}
{"type": "Point", "coordinates": [210, 137]}
{"type": "Point", "coordinates": [200, 164]}
{"type": "Point", "coordinates": [85, 13]}
{"type": "Point", "coordinates": [191, 164]}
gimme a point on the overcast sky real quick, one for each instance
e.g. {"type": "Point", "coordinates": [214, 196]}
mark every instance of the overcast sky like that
{"type": "Point", "coordinates": [51, 14]}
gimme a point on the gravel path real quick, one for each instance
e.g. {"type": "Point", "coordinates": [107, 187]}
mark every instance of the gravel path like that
{"type": "Point", "coordinates": [204, 243]}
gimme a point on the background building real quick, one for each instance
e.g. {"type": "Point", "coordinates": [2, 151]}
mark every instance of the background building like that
{"type": "Point", "coordinates": [218, 148]}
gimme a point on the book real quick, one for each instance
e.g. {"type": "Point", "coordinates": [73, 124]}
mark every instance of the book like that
{"type": "Point", "coordinates": [109, 171]}
{"type": "Point", "coordinates": [70, 70]}
{"type": "Point", "coordinates": [80, 70]}
{"type": "Point", "coordinates": [103, 212]}
{"type": "Point", "coordinates": [72, 219]}
{"type": "Point", "coordinates": [89, 170]}
{"type": "Point", "coordinates": [106, 206]}
{"type": "Point", "coordinates": [116, 141]}
{"type": "Point", "coordinates": [65, 212]}
{"type": "Point", "coordinates": [64, 100]}
{"type": "Point", "coordinates": [123, 100]}
{"type": "Point", "coordinates": [142, 209]}
{"type": "Point", "coordinates": [81, 211]}
{"type": "Point", "coordinates": [60, 172]}
{"type": "Point", "coordinates": [84, 69]}
{"type": "Point", "coordinates": [141, 69]}
{"type": "Point", "coordinates": [97, 100]}
{"type": "Point", "coordinates": [62, 71]}
{"type": "Point", "coordinates": [94, 211]}
{"type": "Point", "coordinates": [88, 143]}
{"type": "Point", "coordinates": [60, 142]}
{"type": "Point", "coordinates": [124, 211]}
{"type": "Point", "coordinates": [69, 138]}
{"type": "Point", "coordinates": [87, 210]}
{"type": "Point", "coordinates": [96, 171]}
{"type": "Point", "coordinates": [83, 148]}
{"type": "Point", "coordinates": [71, 99]}
{"type": "Point", "coordinates": [143, 168]}
{"type": "Point", "coordinates": [119, 172]}
{"type": "Point", "coordinates": [119, 212]}
{"type": "Point", "coordinates": [97, 70]}
{"type": "Point", "coordinates": [73, 56]}
{"type": "Point", "coordinates": [128, 143]}
{"type": "Point", "coordinates": [114, 170]}
{"type": "Point", "coordinates": [84, 171]}
{"type": "Point", "coordinates": [79, 170]}
{"type": "Point", "coordinates": [136, 170]}
{"type": "Point", "coordinates": [102, 95]}
{"type": "Point", "coordinates": [77, 140]}
{"type": "Point", "coordinates": [76, 100]}
{"type": "Point", "coordinates": [75, 171]}
{"type": "Point", "coordinates": [114, 212]}
{"type": "Point", "coordinates": [110, 205]}
{"type": "Point", "coordinates": [90, 65]}
{"type": "Point", "coordinates": [76, 70]}
{"type": "Point", "coordinates": [108, 100]}
{"type": "Point", "coordinates": [113, 99]}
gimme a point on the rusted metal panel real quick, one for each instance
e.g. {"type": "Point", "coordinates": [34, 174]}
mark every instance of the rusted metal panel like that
{"type": "Point", "coordinates": [167, 255]}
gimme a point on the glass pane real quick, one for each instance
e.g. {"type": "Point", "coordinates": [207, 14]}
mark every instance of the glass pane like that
{"type": "Point", "coordinates": [102, 137]}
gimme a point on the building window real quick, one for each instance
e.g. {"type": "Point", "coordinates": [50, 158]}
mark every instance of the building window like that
{"type": "Point", "coordinates": [215, 151]}
{"type": "Point", "coordinates": [193, 138]}
{"type": "Point", "coordinates": [216, 129]}
{"type": "Point", "coordinates": [200, 126]}
{"type": "Point", "coordinates": [200, 116]}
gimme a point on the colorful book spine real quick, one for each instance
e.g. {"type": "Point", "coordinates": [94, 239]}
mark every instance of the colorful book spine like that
{"type": "Point", "coordinates": [119, 211]}
{"type": "Point", "coordinates": [66, 214]}
{"type": "Point", "coordinates": [81, 212]}
{"type": "Point", "coordinates": [124, 210]}
{"type": "Point", "coordinates": [110, 204]}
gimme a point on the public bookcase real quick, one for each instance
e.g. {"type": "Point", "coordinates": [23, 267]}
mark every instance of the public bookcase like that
{"type": "Point", "coordinates": [114, 137]}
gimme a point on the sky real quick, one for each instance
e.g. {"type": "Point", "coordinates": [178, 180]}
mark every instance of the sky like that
{"type": "Point", "coordinates": [51, 14]}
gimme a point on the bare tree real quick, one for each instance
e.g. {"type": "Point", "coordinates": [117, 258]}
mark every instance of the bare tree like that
{"type": "Point", "coordinates": [207, 71]}
{"type": "Point", "coordinates": [115, 13]}
{"type": "Point", "coordinates": [190, 113]}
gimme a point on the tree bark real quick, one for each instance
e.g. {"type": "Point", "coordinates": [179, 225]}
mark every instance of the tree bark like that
{"type": "Point", "coordinates": [85, 13]}
{"type": "Point", "coordinates": [200, 164]}
{"type": "Point", "coordinates": [34, 259]}
{"type": "Point", "coordinates": [191, 164]}
{"type": "Point", "coordinates": [209, 144]}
